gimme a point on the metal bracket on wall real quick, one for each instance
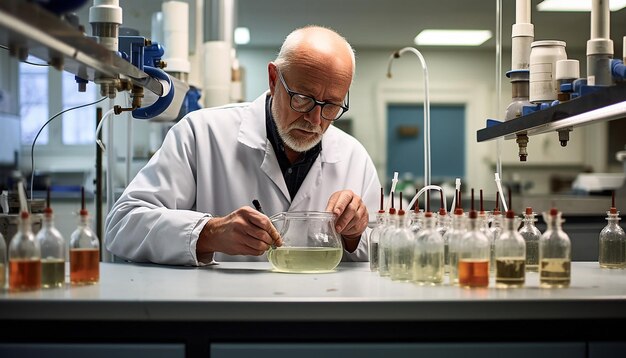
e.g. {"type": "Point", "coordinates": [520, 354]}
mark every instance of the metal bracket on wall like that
{"type": "Point", "coordinates": [605, 104]}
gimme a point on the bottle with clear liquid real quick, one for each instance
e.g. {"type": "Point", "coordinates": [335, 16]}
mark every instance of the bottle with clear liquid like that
{"type": "Point", "coordinates": [416, 221]}
{"type": "Point", "coordinates": [510, 250]}
{"type": "Point", "coordinates": [474, 255]}
{"type": "Point", "coordinates": [381, 223]}
{"type": "Point", "coordinates": [443, 222]}
{"type": "Point", "coordinates": [24, 257]}
{"type": "Point", "coordinates": [84, 252]}
{"type": "Point", "coordinates": [483, 225]}
{"type": "Point", "coordinates": [452, 242]}
{"type": "Point", "coordinates": [52, 252]}
{"type": "Point", "coordinates": [3, 263]}
{"type": "Point", "coordinates": [612, 241]}
{"type": "Point", "coordinates": [428, 261]}
{"type": "Point", "coordinates": [402, 243]}
{"type": "Point", "coordinates": [384, 244]}
{"type": "Point", "coordinates": [531, 235]}
{"type": "Point", "coordinates": [555, 253]}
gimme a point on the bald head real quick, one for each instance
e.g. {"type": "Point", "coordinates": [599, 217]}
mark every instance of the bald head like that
{"type": "Point", "coordinates": [317, 46]}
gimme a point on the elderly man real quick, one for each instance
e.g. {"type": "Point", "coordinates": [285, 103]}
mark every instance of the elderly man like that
{"type": "Point", "coordinates": [190, 205]}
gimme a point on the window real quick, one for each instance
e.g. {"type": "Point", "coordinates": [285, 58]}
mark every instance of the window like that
{"type": "Point", "coordinates": [37, 105]}
{"type": "Point", "coordinates": [79, 125]}
{"type": "Point", "coordinates": [33, 102]}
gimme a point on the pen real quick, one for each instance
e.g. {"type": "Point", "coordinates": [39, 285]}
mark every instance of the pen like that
{"type": "Point", "coordinates": [258, 207]}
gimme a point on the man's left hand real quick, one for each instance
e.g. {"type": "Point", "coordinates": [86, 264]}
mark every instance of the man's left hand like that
{"type": "Point", "coordinates": [352, 216]}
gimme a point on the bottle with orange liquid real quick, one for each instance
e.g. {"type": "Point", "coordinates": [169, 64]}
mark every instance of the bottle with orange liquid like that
{"type": "Point", "coordinates": [475, 249]}
{"type": "Point", "coordinates": [24, 257]}
{"type": "Point", "coordinates": [3, 263]}
{"type": "Point", "coordinates": [84, 251]}
{"type": "Point", "coordinates": [52, 251]}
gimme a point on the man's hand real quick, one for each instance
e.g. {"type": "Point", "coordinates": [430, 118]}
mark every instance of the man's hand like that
{"type": "Point", "coordinates": [245, 231]}
{"type": "Point", "coordinates": [352, 216]}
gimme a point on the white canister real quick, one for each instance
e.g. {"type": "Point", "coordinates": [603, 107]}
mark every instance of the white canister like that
{"type": "Point", "coordinates": [543, 58]}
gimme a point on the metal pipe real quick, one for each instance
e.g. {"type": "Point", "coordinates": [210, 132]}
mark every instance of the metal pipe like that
{"type": "Point", "coordinates": [397, 54]}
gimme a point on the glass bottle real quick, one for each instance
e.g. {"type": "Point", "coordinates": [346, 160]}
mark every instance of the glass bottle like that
{"type": "Point", "coordinates": [3, 263]}
{"type": "Point", "coordinates": [381, 223]}
{"type": "Point", "coordinates": [24, 257]}
{"type": "Point", "coordinates": [84, 252]}
{"type": "Point", "coordinates": [402, 244]}
{"type": "Point", "coordinates": [474, 254]}
{"type": "Point", "coordinates": [612, 242]}
{"type": "Point", "coordinates": [443, 222]}
{"type": "Point", "coordinates": [52, 252]}
{"type": "Point", "coordinates": [452, 242]}
{"type": "Point", "coordinates": [510, 250]}
{"type": "Point", "coordinates": [554, 253]}
{"type": "Point", "coordinates": [384, 244]}
{"type": "Point", "coordinates": [428, 262]}
{"type": "Point", "coordinates": [374, 237]}
{"type": "Point", "coordinates": [531, 235]}
{"type": "Point", "coordinates": [483, 225]}
{"type": "Point", "coordinates": [417, 221]}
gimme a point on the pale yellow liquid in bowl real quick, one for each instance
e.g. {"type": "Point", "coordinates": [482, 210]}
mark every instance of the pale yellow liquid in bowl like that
{"type": "Point", "coordinates": [305, 259]}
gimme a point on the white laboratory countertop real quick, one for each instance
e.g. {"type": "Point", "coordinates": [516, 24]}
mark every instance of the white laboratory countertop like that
{"type": "Point", "coordinates": [252, 292]}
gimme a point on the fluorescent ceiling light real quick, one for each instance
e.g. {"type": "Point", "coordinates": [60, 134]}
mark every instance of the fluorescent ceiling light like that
{"type": "Point", "coordinates": [452, 37]}
{"type": "Point", "coordinates": [242, 36]}
{"type": "Point", "coordinates": [576, 5]}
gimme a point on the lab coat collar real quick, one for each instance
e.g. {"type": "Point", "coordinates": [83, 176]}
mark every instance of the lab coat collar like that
{"type": "Point", "coordinates": [252, 133]}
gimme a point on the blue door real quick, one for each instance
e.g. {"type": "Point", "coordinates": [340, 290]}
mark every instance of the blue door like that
{"type": "Point", "coordinates": [405, 141]}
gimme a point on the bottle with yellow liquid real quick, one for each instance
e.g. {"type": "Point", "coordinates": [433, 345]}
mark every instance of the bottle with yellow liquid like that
{"type": "Point", "coordinates": [555, 253]}
{"type": "Point", "coordinates": [52, 251]}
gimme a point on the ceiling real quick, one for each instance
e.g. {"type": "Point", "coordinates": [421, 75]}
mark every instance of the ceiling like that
{"type": "Point", "coordinates": [394, 23]}
{"type": "Point", "coordinates": [389, 23]}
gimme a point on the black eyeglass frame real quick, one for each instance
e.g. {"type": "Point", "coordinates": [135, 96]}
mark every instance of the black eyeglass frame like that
{"type": "Point", "coordinates": [315, 102]}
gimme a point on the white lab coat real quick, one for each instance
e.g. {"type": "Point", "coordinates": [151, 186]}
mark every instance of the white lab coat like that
{"type": "Point", "coordinates": [215, 161]}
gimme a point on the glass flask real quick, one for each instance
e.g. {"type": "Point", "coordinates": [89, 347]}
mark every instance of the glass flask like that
{"type": "Point", "coordinates": [612, 250]}
{"type": "Point", "coordinates": [473, 268]}
{"type": "Point", "coordinates": [52, 247]}
{"type": "Point", "coordinates": [3, 263]}
{"type": "Point", "coordinates": [310, 242]}
{"type": "Point", "coordinates": [84, 253]}
{"type": "Point", "coordinates": [555, 253]}
{"type": "Point", "coordinates": [24, 257]}
{"type": "Point", "coordinates": [531, 235]}
{"type": "Point", "coordinates": [428, 260]}
{"type": "Point", "coordinates": [384, 244]}
{"type": "Point", "coordinates": [510, 250]}
{"type": "Point", "coordinates": [381, 223]}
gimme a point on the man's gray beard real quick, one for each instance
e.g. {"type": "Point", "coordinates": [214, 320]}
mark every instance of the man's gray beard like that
{"type": "Point", "coordinates": [290, 141]}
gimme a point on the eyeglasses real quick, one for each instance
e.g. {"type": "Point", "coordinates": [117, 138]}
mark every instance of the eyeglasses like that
{"type": "Point", "coordinates": [304, 104]}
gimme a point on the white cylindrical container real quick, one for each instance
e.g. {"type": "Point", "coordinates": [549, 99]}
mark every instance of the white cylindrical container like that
{"type": "Point", "coordinates": [176, 36]}
{"type": "Point", "coordinates": [543, 58]}
{"type": "Point", "coordinates": [216, 73]}
{"type": "Point", "coordinates": [567, 70]}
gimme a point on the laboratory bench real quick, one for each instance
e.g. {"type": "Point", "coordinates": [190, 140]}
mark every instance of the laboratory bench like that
{"type": "Point", "coordinates": [238, 309]}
